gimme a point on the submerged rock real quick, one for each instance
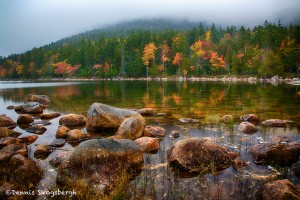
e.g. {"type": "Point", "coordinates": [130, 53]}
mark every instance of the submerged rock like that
{"type": "Point", "coordinates": [247, 127]}
{"type": "Point", "coordinates": [279, 190]}
{"type": "Point", "coordinates": [147, 144]}
{"type": "Point", "coordinates": [37, 129]}
{"type": "Point", "coordinates": [131, 128]}
{"type": "Point", "coordinates": [7, 122]}
{"type": "Point", "coordinates": [275, 123]}
{"type": "Point", "coordinates": [25, 119]}
{"type": "Point", "coordinates": [102, 116]}
{"type": "Point", "coordinates": [100, 164]}
{"type": "Point", "coordinates": [41, 99]}
{"type": "Point", "coordinates": [198, 155]}
{"type": "Point", "coordinates": [279, 154]}
{"type": "Point", "coordinates": [72, 120]}
{"type": "Point", "coordinates": [154, 131]}
{"type": "Point", "coordinates": [50, 115]}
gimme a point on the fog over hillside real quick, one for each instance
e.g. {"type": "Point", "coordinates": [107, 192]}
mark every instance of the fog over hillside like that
{"type": "Point", "coordinates": [33, 23]}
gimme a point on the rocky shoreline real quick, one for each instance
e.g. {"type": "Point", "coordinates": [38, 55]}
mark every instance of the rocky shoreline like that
{"type": "Point", "coordinates": [273, 80]}
{"type": "Point", "coordinates": [98, 166]}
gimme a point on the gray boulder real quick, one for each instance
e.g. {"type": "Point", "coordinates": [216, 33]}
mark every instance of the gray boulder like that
{"type": "Point", "coordinates": [102, 116]}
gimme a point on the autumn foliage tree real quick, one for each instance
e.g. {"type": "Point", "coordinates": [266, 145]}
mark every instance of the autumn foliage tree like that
{"type": "Point", "coordinates": [165, 50]}
{"type": "Point", "coordinates": [148, 54]}
{"type": "Point", "coordinates": [64, 69]}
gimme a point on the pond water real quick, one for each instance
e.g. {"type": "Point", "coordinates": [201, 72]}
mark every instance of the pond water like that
{"type": "Point", "coordinates": [205, 101]}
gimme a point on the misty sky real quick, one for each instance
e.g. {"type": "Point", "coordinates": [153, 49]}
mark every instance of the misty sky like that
{"type": "Point", "coordinates": [25, 24]}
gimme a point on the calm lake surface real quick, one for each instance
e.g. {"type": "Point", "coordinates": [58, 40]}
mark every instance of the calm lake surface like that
{"type": "Point", "coordinates": [205, 101]}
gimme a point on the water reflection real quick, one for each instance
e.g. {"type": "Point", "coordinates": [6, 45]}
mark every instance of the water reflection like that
{"type": "Point", "coordinates": [206, 101]}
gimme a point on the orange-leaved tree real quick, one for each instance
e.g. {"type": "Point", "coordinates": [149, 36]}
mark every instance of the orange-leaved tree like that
{"type": "Point", "coordinates": [217, 62]}
{"type": "Point", "coordinates": [177, 61]}
{"type": "Point", "coordinates": [65, 69]}
{"type": "Point", "coordinates": [148, 54]}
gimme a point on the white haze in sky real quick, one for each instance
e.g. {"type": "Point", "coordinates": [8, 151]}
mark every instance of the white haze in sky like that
{"type": "Point", "coordinates": [25, 24]}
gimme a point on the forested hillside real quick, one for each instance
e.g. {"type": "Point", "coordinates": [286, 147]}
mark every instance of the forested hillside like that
{"type": "Point", "coordinates": [164, 50]}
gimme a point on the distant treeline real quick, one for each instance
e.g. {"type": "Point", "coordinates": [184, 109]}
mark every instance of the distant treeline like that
{"type": "Point", "coordinates": [266, 50]}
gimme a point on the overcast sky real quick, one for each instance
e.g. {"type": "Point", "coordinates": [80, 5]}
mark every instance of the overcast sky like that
{"type": "Point", "coordinates": [25, 24]}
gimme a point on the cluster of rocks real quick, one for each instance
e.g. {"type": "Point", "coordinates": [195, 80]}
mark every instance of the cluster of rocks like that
{"type": "Point", "coordinates": [18, 171]}
{"type": "Point", "coordinates": [98, 165]}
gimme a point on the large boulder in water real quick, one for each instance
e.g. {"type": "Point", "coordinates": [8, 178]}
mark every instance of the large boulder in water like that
{"type": "Point", "coordinates": [279, 190]}
{"type": "Point", "coordinates": [102, 116]}
{"type": "Point", "coordinates": [98, 165]}
{"type": "Point", "coordinates": [41, 99]}
{"type": "Point", "coordinates": [196, 155]}
{"type": "Point", "coordinates": [7, 122]}
{"type": "Point", "coordinates": [279, 154]}
{"type": "Point", "coordinates": [30, 108]}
